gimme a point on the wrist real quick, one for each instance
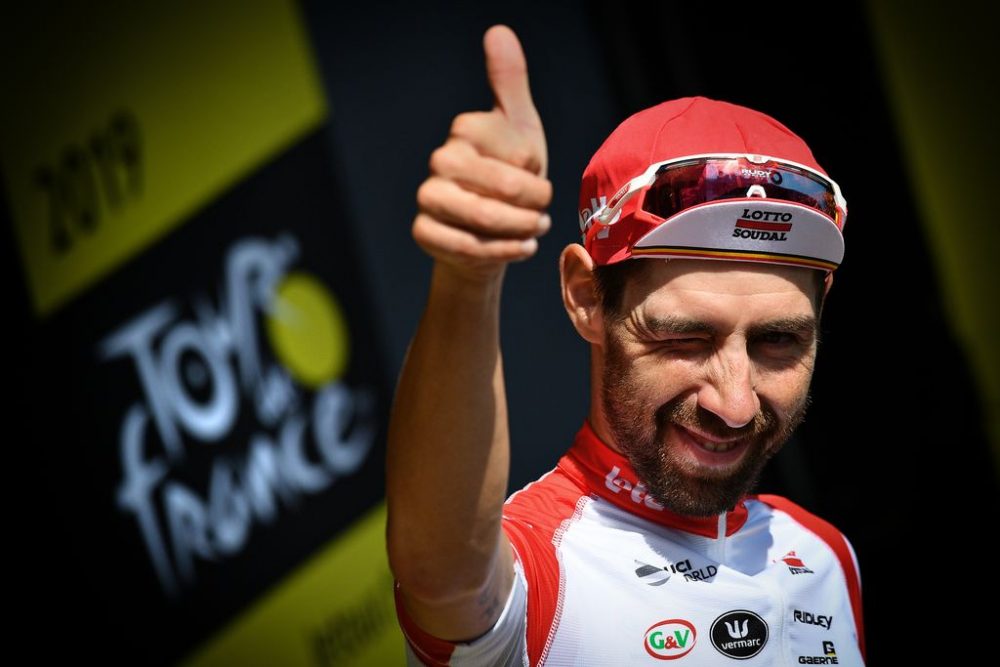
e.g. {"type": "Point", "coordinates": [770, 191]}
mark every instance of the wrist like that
{"type": "Point", "coordinates": [467, 284]}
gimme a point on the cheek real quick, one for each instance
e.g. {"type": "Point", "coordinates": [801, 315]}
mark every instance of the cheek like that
{"type": "Point", "coordinates": [659, 380]}
{"type": "Point", "coordinates": [785, 385]}
{"type": "Point", "coordinates": [785, 392]}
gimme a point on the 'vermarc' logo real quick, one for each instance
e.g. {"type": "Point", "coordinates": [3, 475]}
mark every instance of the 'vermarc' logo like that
{"type": "Point", "coordinates": [670, 639]}
{"type": "Point", "coordinates": [739, 634]}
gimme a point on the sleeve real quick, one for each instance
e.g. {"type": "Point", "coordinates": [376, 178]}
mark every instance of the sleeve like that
{"type": "Point", "coordinates": [504, 644]}
{"type": "Point", "coordinates": [854, 587]}
{"type": "Point", "coordinates": [533, 520]}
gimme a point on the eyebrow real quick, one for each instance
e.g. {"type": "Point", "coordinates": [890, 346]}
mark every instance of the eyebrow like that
{"type": "Point", "coordinates": [674, 325]}
{"type": "Point", "coordinates": [804, 325]}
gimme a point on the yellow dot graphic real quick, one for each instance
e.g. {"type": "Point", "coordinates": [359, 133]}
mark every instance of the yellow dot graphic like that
{"type": "Point", "coordinates": [307, 330]}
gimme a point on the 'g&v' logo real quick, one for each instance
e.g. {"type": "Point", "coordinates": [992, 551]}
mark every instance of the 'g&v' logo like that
{"type": "Point", "coordinates": [670, 639]}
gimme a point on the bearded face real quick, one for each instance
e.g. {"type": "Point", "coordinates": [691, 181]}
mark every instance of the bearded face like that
{"type": "Point", "coordinates": [656, 438]}
{"type": "Point", "coordinates": [705, 375]}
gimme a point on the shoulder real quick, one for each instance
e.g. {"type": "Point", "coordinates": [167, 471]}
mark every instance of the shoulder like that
{"type": "Point", "coordinates": [534, 520]}
{"type": "Point", "coordinates": [546, 502]}
{"type": "Point", "coordinates": [535, 516]}
{"type": "Point", "coordinates": [837, 543]}
{"type": "Point", "coordinates": [820, 527]}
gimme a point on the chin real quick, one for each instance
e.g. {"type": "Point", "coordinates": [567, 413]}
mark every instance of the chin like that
{"type": "Point", "coordinates": [701, 491]}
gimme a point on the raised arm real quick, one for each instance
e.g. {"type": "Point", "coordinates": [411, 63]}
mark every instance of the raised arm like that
{"type": "Point", "coordinates": [448, 450]}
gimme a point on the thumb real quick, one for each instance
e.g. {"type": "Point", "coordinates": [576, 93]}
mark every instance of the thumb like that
{"type": "Point", "coordinates": [508, 74]}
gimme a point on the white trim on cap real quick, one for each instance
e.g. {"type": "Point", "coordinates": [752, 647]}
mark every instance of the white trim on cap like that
{"type": "Point", "coordinates": [752, 229]}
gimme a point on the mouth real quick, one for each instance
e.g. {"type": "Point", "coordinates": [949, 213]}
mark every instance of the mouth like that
{"type": "Point", "coordinates": [707, 451]}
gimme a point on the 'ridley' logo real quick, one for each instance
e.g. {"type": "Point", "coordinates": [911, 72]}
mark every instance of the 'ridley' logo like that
{"type": "Point", "coordinates": [810, 618]}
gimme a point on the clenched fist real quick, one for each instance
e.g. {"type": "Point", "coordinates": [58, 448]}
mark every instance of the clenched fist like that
{"type": "Point", "coordinates": [483, 204]}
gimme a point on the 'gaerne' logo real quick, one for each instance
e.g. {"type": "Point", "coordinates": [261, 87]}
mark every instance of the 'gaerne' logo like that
{"type": "Point", "coordinates": [829, 656]}
{"type": "Point", "coordinates": [761, 225]}
{"type": "Point", "coordinates": [670, 639]}
{"type": "Point", "coordinates": [739, 634]}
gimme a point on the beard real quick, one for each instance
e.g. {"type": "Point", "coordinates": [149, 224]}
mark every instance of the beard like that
{"type": "Point", "coordinates": [642, 435]}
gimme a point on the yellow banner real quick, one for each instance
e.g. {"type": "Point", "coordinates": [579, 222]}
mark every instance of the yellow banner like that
{"type": "Point", "coordinates": [939, 65]}
{"type": "Point", "coordinates": [337, 609]}
{"type": "Point", "coordinates": [121, 119]}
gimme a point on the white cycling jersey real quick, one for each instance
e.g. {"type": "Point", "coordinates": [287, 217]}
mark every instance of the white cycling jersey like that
{"type": "Point", "coordinates": [606, 576]}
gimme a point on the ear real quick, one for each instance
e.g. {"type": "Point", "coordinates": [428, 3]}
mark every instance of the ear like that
{"type": "Point", "coordinates": [579, 293]}
{"type": "Point", "coordinates": [827, 284]}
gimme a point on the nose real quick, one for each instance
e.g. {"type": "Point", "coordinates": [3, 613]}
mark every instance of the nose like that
{"type": "Point", "coordinates": [729, 389]}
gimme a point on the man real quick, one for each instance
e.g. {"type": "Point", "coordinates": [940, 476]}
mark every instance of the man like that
{"type": "Point", "coordinates": [698, 287]}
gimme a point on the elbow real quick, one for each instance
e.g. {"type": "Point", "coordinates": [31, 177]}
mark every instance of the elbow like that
{"type": "Point", "coordinates": [438, 576]}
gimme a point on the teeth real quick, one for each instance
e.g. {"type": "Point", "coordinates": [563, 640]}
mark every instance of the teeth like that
{"type": "Point", "coordinates": [717, 446]}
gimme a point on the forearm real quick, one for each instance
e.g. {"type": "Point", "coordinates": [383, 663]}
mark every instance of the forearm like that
{"type": "Point", "coordinates": [481, 208]}
{"type": "Point", "coordinates": [448, 447]}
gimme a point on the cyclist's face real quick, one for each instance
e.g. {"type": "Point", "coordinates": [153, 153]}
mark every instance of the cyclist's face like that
{"type": "Point", "coordinates": [706, 375]}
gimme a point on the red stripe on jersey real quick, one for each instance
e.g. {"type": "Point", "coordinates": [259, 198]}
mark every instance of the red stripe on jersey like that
{"type": "Point", "coordinates": [432, 651]}
{"type": "Point", "coordinates": [835, 539]}
{"type": "Point", "coordinates": [534, 521]}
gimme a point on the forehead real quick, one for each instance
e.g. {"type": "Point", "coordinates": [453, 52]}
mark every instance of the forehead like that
{"type": "Point", "coordinates": [738, 292]}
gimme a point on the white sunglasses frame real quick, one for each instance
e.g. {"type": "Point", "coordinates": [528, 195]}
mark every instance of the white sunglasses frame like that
{"type": "Point", "coordinates": [606, 215]}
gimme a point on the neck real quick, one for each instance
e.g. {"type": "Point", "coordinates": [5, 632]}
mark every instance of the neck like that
{"type": "Point", "coordinates": [596, 417]}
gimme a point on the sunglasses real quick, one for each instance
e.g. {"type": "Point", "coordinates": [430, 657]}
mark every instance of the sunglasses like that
{"type": "Point", "coordinates": [676, 185]}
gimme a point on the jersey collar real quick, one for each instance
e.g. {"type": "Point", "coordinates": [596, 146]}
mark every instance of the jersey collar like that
{"type": "Point", "coordinates": [608, 474]}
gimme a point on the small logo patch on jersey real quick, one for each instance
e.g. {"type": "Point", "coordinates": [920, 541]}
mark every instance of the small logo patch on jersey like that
{"type": "Point", "coordinates": [670, 639]}
{"type": "Point", "coordinates": [822, 620]}
{"type": "Point", "coordinates": [650, 574]}
{"type": "Point", "coordinates": [655, 575]}
{"type": "Point", "coordinates": [795, 564]}
{"type": "Point", "coordinates": [829, 656]}
{"type": "Point", "coordinates": [739, 634]}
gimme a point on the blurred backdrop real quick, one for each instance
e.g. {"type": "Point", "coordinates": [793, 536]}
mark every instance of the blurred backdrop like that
{"type": "Point", "coordinates": [213, 285]}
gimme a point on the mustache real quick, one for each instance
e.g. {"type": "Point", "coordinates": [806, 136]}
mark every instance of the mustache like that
{"type": "Point", "coordinates": [688, 414]}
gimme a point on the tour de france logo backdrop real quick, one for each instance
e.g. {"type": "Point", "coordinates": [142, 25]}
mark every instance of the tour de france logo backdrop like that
{"type": "Point", "coordinates": [228, 402]}
{"type": "Point", "coordinates": [216, 401]}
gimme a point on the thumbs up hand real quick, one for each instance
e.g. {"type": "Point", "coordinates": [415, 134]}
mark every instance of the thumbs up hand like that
{"type": "Point", "coordinates": [508, 76]}
{"type": "Point", "coordinates": [483, 204]}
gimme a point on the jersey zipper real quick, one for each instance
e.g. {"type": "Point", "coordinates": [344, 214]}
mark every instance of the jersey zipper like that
{"type": "Point", "coordinates": [720, 541]}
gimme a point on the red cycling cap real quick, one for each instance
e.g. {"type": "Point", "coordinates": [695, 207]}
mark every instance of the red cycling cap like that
{"type": "Point", "coordinates": [696, 126]}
